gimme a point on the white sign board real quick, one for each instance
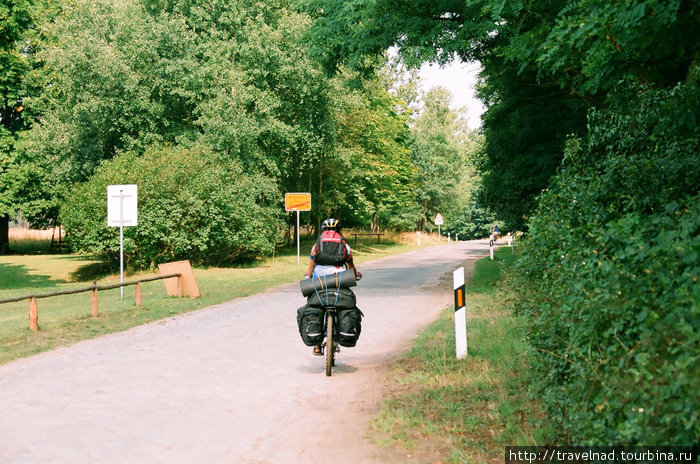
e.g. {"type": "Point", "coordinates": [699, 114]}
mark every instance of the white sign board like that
{"type": "Point", "coordinates": [438, 220]}
{"type": "Point", "coordinates": [122, 204]}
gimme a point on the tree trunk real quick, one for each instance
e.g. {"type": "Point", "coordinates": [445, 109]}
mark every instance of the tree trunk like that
{"type": "Point", "coordinates": [4, 234]}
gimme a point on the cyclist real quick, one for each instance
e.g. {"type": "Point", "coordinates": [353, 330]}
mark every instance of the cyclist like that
{"type": "Point", "coordinates": [335, 254]}
{"type": "Point", "coordinates": [330, 255]}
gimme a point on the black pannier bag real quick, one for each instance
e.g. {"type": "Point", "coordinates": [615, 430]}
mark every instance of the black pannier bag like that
{"type": "Point", "coordinates": [310, 322]}
{"type": "Point", "coordinates": [342, 298]}
{"type": "Point", "coordinates": [349, 326]}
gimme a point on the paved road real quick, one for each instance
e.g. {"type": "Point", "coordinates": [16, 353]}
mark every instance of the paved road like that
{"type": "Point", "coordinates": [232, 383]}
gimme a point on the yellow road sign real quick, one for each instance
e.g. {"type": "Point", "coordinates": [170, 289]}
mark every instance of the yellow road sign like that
{"type": "Point", "coordinates": [297, 201]}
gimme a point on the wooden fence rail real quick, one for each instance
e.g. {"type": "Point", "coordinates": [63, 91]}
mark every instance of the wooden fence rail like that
{"type": "Point", "coordinates": [94, 288]}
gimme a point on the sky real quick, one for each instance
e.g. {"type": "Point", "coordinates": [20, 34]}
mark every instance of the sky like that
{"type": "Point", "coordinates": [459, 78]}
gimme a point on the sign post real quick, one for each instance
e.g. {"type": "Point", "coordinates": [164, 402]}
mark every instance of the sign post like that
{"type": "Point", "coordinates": [438, 222]}
{"type": "Point", "coordinates": [122, 210]}
{"type": "Point", "coordinates": [460, 314]}
{"type": "Point", "coordinates": [297, 202]}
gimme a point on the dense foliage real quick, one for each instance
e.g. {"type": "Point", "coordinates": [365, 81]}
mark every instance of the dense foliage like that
{"type": "Point", "coordinates": [192, 205]}
{"type": "Point", "coordinates": [609, 278]}
{"type": "Point", "coordinates": [444, 152]}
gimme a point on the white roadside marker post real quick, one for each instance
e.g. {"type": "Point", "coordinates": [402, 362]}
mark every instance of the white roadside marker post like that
{"type": "Point", "coordinates": [491, 249]}
{"type": "Point", "coordinates": [460, 314]}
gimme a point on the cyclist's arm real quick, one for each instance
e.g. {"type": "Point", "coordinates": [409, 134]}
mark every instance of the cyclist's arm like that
{"type": "Point", "coordinates": [351, 265]}
{"type": "Point", "coordinates": [310, 269]}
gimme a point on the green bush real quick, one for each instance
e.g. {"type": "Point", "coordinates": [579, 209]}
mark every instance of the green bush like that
{"type": "Point", "coordinates": [609, 278]}
{"type": "Point", "coordinates": [191, 205]}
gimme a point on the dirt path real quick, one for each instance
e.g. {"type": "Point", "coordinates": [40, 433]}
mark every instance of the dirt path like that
{"type": "Point", "coordinates": [232, 383]}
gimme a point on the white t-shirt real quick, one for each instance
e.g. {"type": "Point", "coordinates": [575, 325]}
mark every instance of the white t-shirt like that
{"type": "Point", "coordinates": [328, 269]}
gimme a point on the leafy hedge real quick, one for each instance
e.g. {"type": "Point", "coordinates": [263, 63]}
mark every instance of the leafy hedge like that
{"type": "Point", "coordinates": [609, 278]}
{"type": "Point", "coordinates": [191, 205]}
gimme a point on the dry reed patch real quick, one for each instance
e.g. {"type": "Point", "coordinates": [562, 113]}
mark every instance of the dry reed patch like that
{"type": "Point", "coordinates": [19, 234]}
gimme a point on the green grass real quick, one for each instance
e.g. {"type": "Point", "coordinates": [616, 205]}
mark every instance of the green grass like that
{"type": "Point", "coordinates": [465, 411]}
{"type": "Point", "coordinates": [64, 320]}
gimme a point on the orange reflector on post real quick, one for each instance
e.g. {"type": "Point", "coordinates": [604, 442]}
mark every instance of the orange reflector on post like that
{"type": "Point", "coordinates": [459, 297]}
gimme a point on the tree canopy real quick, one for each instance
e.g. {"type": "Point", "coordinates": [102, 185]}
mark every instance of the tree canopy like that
{"type": "Point", "coordinates": [231, 81]}
{"type": "Point", "coordinates": [544, 64]}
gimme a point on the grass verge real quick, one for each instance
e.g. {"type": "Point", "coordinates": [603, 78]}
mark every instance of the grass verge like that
{"type": "Point", "coordinates": [441, 409]}
{"type": "Point", "coordinates": [64, 320]}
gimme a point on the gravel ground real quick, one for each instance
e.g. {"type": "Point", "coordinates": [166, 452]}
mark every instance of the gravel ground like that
{"type": "Point", "coordinates": [232, 383]}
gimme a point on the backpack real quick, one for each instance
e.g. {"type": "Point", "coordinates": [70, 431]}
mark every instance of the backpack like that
{"type": "Point", "coordinates": [330, 249]}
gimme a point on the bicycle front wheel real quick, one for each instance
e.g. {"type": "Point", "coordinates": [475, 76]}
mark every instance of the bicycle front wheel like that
{"type": "Point", "coordinates": [330, 351]}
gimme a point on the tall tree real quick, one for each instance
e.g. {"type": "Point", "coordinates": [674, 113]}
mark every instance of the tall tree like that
{"type": "Point", "coordinates": [525, 128]}
{"type": "Point", "coordinates": [481, 30]}
{"type": "Point", "coordinates": [368, 176]}
{"type": "Point", "coordinates": [15, 22]}
{"type": "Point", "coordinates": [438, 154]}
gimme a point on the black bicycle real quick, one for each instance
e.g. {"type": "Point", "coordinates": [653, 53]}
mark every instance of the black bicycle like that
{"type": "Point", "coordinates": [320, 285]}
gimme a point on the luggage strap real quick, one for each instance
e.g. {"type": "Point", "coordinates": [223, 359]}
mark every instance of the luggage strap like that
{"type": "Point", "coordinates": [325, 286]}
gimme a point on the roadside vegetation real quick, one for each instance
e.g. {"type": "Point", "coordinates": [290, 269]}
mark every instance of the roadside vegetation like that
{"type": "Point", "coordinates": [592, 149]}
{"type": "Point", "coordinates": [441, 409]}
{"type": "Point", "coordinates": [590, 146]}
{"type": "Point", "coordinates": [66, 319]}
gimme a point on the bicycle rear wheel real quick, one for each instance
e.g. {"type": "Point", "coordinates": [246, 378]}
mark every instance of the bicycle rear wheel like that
{"type": "Point", "coordinates": [330, 349]}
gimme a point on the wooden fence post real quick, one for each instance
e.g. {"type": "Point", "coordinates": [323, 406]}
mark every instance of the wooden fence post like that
{"type": "Point", "coordinates": [94, 298]}
{"type": "Point", "coordinates": [33, 315]}
{"type": "Point", "coordinates": [137, 294]}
